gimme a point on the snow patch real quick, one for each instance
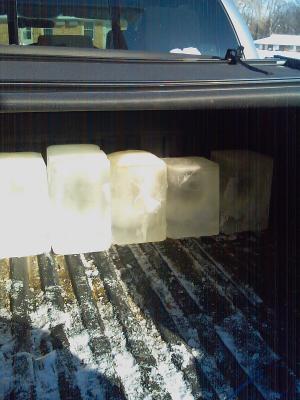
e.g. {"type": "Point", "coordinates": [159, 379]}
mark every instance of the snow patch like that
{"type": "Point", "coordinates": [190, 334]}
{"type": "Point", "coordinates": [46, 377]}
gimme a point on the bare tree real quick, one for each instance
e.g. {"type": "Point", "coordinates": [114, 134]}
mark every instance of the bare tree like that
{"type": "Point", "coordinates": [265, 17]}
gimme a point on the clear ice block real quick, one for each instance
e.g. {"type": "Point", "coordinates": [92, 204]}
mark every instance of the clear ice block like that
{"type": "Point", "coordinates": [193, 197]}
{"type": "Point", "coordinates": [245, 190]}
{"type": "Point", "coordinates": [24, 205]}
{"type": "Point", "coordinates": [139, 183]}
{"type": "Point", "coordinates": [79, 190]}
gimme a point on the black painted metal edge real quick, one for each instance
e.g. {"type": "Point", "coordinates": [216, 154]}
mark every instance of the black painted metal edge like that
{"type": "Point", "coordinates": [243, 96]}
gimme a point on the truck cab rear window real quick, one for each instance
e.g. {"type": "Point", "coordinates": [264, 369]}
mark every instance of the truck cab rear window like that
{"type": "Point", "coordinates": [178, 26]}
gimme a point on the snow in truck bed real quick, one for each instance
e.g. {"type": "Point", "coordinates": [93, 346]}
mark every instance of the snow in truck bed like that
{"type": "Point", "coordinates": [170, 320]}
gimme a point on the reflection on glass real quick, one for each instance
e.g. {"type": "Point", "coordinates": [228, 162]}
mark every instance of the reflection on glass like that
{"type": "Point", "coordinates": [182, 26]}
{"type": "Point", "coordinates": [3, 29]}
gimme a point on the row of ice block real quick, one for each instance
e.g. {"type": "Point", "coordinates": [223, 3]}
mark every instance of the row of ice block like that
{"type": "Point", "coordinates": [127, 197]}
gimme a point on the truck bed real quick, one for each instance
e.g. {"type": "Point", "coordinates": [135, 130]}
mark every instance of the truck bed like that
{"type": "Point", "coordinates": [181, 319]}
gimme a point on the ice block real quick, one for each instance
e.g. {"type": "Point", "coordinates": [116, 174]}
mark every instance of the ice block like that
{"type": "Point", "coordinates": [79, 189]}
{"type": "Point", "coordinates": [245, 190]}
{"type": "Point", "coordinates": [193, 197]}
{"type": "Point", "coordinates": [139, 184]}
{"type": "Point", "coordinates": [24, 205]}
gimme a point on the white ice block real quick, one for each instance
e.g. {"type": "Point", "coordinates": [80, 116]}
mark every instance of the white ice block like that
{"type": "Point", "coordinates": [139, 183]}
{"type": "Point", "coordinates": [193, 197]}
{"type": "Point", "coordinates": [246, 180]}
{"type": "Point", "coordinates": [79, 191]}
{"type": "Point", "coordinates": [24, 205]}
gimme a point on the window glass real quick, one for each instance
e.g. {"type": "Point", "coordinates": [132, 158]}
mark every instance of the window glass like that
{"type": "Point", "coordinates": [3, 30]}
{"type": "Point", "coordinates": [189, 26]}
{"type": "Point", "coordinates": [25, 35]}
{"type": "Point", "coordinates": [89, 29]}
{"type": "Point", "coordinates": [48, 31]}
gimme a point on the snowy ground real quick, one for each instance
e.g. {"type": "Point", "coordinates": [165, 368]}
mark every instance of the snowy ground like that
{"type": "Point", "coordinates": [267, 53]}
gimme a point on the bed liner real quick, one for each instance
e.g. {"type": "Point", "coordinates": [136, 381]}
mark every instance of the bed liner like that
{"type": "Point", "coordinates": [167, 320]}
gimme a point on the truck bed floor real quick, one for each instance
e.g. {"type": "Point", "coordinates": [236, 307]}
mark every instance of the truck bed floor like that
{"type": "Point", "coordinates": [173, 320]}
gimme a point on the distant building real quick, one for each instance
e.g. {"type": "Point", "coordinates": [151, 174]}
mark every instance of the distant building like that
{"type": "Point", "coordinates": [279, 43]}
{"type": "Point", "coordinates": [285, 45]}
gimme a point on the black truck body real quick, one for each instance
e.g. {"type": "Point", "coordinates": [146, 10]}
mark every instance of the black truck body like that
{"type": "Point", "coordinates": [195, 318]}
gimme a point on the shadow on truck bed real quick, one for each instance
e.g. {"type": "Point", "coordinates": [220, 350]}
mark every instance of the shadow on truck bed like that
{"type": "Point", "coordinates": [177, 317]}
{"type": "Point", "coordinates": [38, 363]}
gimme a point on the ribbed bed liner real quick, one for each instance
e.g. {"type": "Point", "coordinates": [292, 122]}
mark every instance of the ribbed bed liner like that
{"type": "Point", "coordinates": [169, 320]}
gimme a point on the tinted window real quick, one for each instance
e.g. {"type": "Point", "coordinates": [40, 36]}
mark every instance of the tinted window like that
{"type": "Point", "coordinates": [195, 26]}
{"type": "Point", "coordinates": [3, 29]}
